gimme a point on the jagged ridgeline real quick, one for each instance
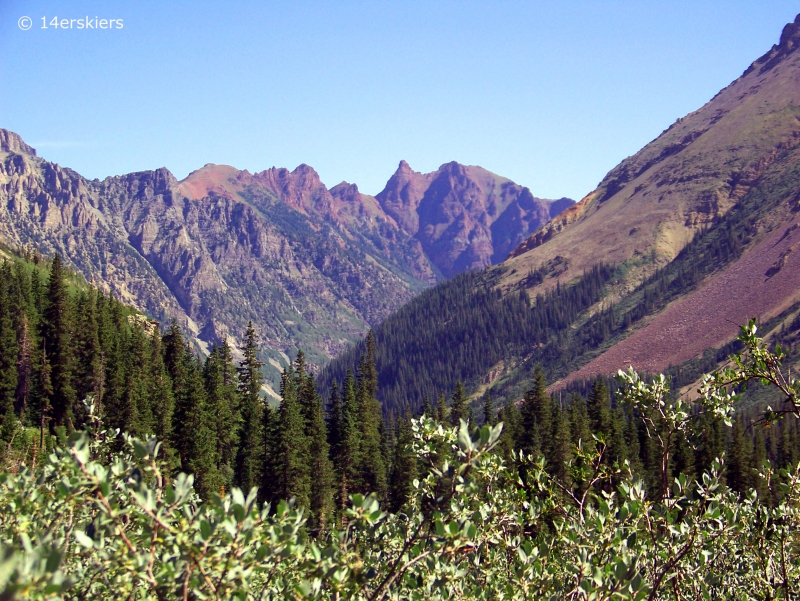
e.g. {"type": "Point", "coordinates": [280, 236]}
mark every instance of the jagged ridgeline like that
{"type": "Point", "coordinates": [467, 329]}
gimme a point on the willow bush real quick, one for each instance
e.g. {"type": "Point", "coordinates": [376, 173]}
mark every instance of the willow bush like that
{"type": "Point", "coordinates": [92, 523]}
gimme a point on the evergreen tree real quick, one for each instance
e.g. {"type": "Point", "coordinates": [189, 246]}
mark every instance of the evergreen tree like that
{"type": "Point", "coordinates": [599, 408]}
{"type": "Point", "coordinates": [320, 468]}
{"type": "Point", "coordinates": [427, 408]}
{"type": "Point", "coordinates": [250, 458]}
{"type": "Point", "coordinates": [537, 420]}
{"type": "Point", "coordinates": [201, 424]}
{"type": "Point", "coordinates": [161, 399]}
{"type": "Point", "coordinates": [512, 430]}
{"type": "Point", "coordinates": [489, 417]}
{"type": "Point", "coordinates": [88, 366]}
{"type": "Point", "coordinates": [739, 473]}
{"type": "Point", "coordinates": [335, 425]}
{"type": "Point", "coordinates": [372, 465]}
{"type": "Point", "coordinates": [347, 455]}
{"type": "Point", "coordinates": [404, 465]}
{"type": "Point", "coordinates": [617, 446]}
{"type": "Point", "coordinates": [561, 448]}
{"type": "Point", "coordinates": [441, 409]}
{"type": "Point", "coordinates": [56, 333]}
{"type": "Point", "coordinates": [8, 357]}
{"type": "Point", "coordinates": [221, 384]}
{"type": "Point", "coordinates": [458, 405]}
{"type": "Point", "coordinates": [289, 475]}
{"type": "Point", "coordinates": [175, 360]}
{"type": "Point", "coordinates": [580, 423]}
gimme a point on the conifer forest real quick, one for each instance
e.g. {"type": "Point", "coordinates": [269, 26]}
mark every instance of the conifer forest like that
{"type": "Point", "coordinates": [158, 474]}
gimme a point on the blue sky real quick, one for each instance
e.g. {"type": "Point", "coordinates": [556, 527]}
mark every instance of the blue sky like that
{"type": "Point", "coordinates": [549, 94]}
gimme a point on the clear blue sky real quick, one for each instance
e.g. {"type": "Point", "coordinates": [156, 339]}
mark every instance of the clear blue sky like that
{"type": "Point", "coordinates": [549, 94]}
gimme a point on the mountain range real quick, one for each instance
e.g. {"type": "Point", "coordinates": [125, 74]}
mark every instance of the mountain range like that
{"type": "Point", "coordinates": [311, 267]}
{"type": "Point", "coordinates": [658, 266]}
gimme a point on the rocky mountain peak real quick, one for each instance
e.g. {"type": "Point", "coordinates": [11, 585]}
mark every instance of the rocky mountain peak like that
{"type": "Point", "coordinates": [789, 41]}
{"type": "Point", "coordinates": [346, 192]}
{"type": "Point", "coordinates": [11, 142]}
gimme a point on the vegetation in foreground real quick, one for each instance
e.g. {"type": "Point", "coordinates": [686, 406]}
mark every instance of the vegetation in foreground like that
{"type": "Point", "coordinates": [96, 523]}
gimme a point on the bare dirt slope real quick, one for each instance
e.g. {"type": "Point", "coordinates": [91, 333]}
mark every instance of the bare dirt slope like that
{"type": "Point", "coordinates": [762, 283]}
{"type": "Point", "coordinates": [692, 173]}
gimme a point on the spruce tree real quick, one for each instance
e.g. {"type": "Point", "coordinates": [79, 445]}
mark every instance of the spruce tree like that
{"type": "Point", "coordinates": [580, 423]}
{"type": "Point", "coordinates": [289, 465]}
{"type": "Point", "coordinates": [512, 429]}
{"type": "Point", "coordinates": [201, 424]}
{"type": "Point", "coordinates": [537, 420]}
{"type": "Point", "coordinates": [250, 453]}
{"type": "Point", "coordinates": [334, 419]}
{"type": "Point", "coordinates": [221, 384]}
{"type": "Point", "coordinates": [441, 409]}
{"type": "Point", "coordinates": [56, 333]}
{"type": "Point", "coordinates": [489, 417]}
{"type": "Point", "coordinates": [347, 455]}
{"type": "Point", "coordinates": [372, 466]}
{"type": "Point", "coordinates": [8, 358]}
{"type": "Point", "coordinates": [739, 473]}
{"type": "Point", "coordinates": [88, 369]}
{"type": "Point", "coordinates": [599, 408]}
{"type": "Point", "coordinates": [458, 405]}
{"type": "Point", "coordinates": [175, 361]}
{"type": "Point", "coordinates": [561, 447]}
{"type": "Point", "coordinates": [321, 478]}
{"type": "Point", "coordinates": [404, 464]}
{"type": "Point", "coordinates": [161, 399]}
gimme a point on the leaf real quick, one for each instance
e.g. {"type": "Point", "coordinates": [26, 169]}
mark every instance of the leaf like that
{"type": "Point", "coordinates": [83, 539]}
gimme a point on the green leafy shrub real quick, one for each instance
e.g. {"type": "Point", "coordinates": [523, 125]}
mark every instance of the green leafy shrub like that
{"type": "Point", "coordinates": [93, 524]}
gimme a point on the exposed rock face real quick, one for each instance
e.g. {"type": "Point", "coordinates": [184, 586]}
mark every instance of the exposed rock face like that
{"type": "Point", "coordinates": [313, 268]}
{"type": "Point", "coordinates": [465, 217]}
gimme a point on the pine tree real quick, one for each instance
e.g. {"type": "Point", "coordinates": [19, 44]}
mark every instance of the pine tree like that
{"type": "Point", "coordinates": [441, 409]}
{"type": "Point", "coordinates": [372, 466]}
{"type": "Point", "coordinates": [201, 423]}
{"type": "Point", "coordinates": [250, 458]}
{"type": "Point", "coordinates": [221, 384]}
{"type": "Point", "coordinates": [739, 465]}
{"type": "Point", "coordinates": [580, 423]}
{"type": "Point", "coordinates": [88, 369]}
{"type": "Point", "coordinates": [8, 357]}
{"type": "Point", "coordinates": [175, 355]}
{"type": "Point", "coordinates": [427, 408]}
{"type": "Point", "coordinates": [489, 417]}
{"type": "Point", "coordinates": [319, 463]}
{"type": "Point", "coordinates": [634, 447]}
{"type": "Point", "coordinates": [617, 446]}
{"type": "Point", "coordinates": [404, 465]}
{"type": "Point", "coordinates": [347, 456]}
{"type": "Point", "coordinates": [512, 430]}
{"type": "Point", "coordinates": [561, 448]}
{"type": "Point", "coordinates": [458, 405]}
{"type": "Point", "coordinates": [288, 469]}
{"type": "Point", "coordinates": [56, 333]}
{"type": "Point", "coordinates": [162, 402]}
{"type": "Point", "coordinates": [599, 408]}
{"type": "Point", "coordinates": [335, 425]}
{"type": "Point", "coordinates": [537, 420]}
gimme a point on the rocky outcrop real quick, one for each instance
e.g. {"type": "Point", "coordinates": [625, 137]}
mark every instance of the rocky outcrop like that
{"type": "Point", "coordinates": [314, 268]}
{"type": "Point", "coordinates": [465, 217]}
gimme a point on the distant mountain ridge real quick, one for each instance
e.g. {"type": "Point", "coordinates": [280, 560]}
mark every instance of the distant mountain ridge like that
{"type": "Point", "coordinates": [464, 217]}
{"type": "Point", "coordinates": [312, 267]}
{"type": "Point", "coordinates": [678, 245]}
